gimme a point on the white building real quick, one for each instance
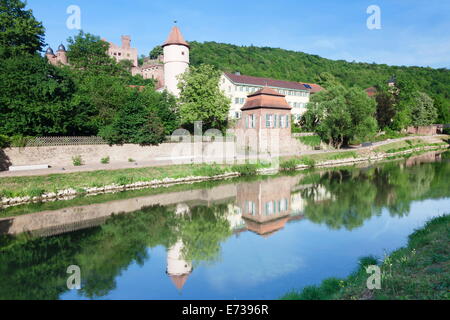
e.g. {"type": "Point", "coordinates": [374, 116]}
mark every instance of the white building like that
{"type": "Point", "coordinates": [176, 60]}
{"type": "Point", "coordinates": [237, 87]}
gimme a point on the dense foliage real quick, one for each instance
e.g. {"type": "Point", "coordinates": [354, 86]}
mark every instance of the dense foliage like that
{"type": "Point", "coordinates": [201, 98]}
{"type": "Point", "coordinates": [89, 97]}
{"type": "Point", "coordinates": [339, 115]}
{"type": "Point", "coordinates": [299, 66]}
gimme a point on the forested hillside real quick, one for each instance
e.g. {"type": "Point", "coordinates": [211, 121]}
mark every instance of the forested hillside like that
{"type": "Point", "coordinates": [299, 66]}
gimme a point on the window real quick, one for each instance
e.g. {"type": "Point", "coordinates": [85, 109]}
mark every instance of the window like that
{"type": "Point", "coordinates": [250, 121]}
{"type": "Point", "coordinates": [247, 89]}
{"type": "Point", "coordinates": [282, 121]}
{"type": "Point", "coordinates": [268, 121]}
{"type": "Point", "coordinates": [253, 121]}
{"type": "Point", "coordinates": [241, 100]}
{"type": "Point", "coordinates": [237, 115]}
{"type": "Point", "coordinates": [241, 88]}
{"type": "Point", "coordinates": [251, 207]}
{"type": "Point", "coordinates": [229, 88]}
{"type": "Point", "coordinates": [236, 100]}
{"type": "Point", "coordinates": [269, 208]}
{"type": "Point", "coordinates": [287, 121]}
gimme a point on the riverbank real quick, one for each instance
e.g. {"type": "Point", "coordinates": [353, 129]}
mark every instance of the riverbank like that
{"type": "Point", "coordinates": [26, 189]}
{"type": "Point", "coordinates": [421, 270]}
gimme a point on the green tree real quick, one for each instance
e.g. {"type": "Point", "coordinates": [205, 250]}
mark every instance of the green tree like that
{"type": "Point", "coordinates": [339, 115]}
{"type": "Point", "coordinates": [201, 98]}
{"type": "Point", "coordinates": [34, 97]}
{"type": "Point", "coordinates": [134, 123]}
{"type": "Point", "coordinates": [443, 110]}
{"type": "Point", "coordinates": [156, 52]}
{"type": "Point", "coordinates": [20, 32]}
{"type": "Point", "coordinates": [88, 53]}
{"type": "Point", "coordinates": [164, 106]}
{"type": "Point", "coordinates": [406, 92]}
{"type": "Point", "coordinates": [423, 112]}
{"type": "Point", "coordinates": [386, 99]}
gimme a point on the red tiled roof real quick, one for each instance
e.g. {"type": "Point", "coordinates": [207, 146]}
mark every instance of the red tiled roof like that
{"type": "Point", "coordinates": [315, 87]}
{"type": "Point", "coordinates": [175, 37]}
{"type": "Point", "coordinates": [266, 98]}
{"type": "Point", "coordinates": [371, 91]}
{"type": "Point", "coordinates": [257, 81]}
{"type": "Point", "coordinates": [179, 280]}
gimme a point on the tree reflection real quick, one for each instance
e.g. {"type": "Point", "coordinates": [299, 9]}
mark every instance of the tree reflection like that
{"type": "Point", "coordinates": [346, 198]}
{"type": "Point", "coordinates": [36, 268]}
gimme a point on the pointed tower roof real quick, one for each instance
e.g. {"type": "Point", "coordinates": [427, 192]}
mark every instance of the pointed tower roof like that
{"type": "Point", "coordinates": [175, 37]}
{"type": "Point", "coordinates": [179, 280]}
{"type": "Point", "coordinates": [266, 98]}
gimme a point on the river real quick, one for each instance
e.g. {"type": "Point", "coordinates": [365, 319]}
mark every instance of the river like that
{"type": "Point", "coordinates": [246, 238]}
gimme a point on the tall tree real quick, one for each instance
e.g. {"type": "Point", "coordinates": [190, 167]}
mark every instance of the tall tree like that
{"type": "Point", "coordinates": [386, 98]}
{"type": "Point", "coordinates": [34, 97]}
{"type": "Point", "coordinates": [20, 32]}
{"type": "Point", "coordinates": [339, 115]}
{"type": "Point", "coordinates": [88, 53]}
{"type": "Point", "coordinates": [201, 98]}
{"type": "Point", "coordinates": [423, 112]}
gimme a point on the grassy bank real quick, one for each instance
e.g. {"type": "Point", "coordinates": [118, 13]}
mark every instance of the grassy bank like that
{"type": "Point", "coordinates": [35, 186]}
{"type": "Point", "coordinates": [421, 270]}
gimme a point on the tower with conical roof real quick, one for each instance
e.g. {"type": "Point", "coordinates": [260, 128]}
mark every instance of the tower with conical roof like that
{"type": "Point", "coordinates": [176, 59]}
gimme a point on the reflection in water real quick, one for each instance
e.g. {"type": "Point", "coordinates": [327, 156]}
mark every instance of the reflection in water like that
{"type": "Point", "coordinates": [105, 239]}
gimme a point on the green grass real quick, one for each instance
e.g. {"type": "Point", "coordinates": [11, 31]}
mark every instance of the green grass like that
{"type": "Point", "coordinates": [421, 270]}
{"type": "Point", "coordinates": [37, 185]}
{"type": "Point", "coordinates": [314, 159]}
{"type": "Point", "coordinates": [312, 141]}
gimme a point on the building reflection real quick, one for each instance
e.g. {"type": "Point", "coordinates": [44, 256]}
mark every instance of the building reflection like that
{"type": "Point", "coordinates": [265, 209]}
{"type": "Point", "coordinates": [178, 269]}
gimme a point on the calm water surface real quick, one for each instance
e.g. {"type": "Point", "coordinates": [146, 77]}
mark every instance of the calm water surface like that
{"type": "Point", "coordinates": [243, 239]}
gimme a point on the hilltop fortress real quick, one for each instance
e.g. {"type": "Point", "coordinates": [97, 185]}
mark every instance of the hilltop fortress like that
{"type": "Point", "coordinates": [175, 61]}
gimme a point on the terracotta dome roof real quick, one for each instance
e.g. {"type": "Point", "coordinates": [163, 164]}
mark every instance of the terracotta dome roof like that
{"type": "Point", "coordinates": [175, 37]}
{"type": "Point", "coordinates": [266, 98]}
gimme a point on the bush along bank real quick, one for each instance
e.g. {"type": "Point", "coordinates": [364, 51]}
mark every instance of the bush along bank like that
{"type": "Point", "coordinates": [421, 270]}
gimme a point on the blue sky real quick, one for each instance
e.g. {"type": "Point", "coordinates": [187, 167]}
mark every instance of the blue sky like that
{"type": "Point", "coordinates": [412, 32]}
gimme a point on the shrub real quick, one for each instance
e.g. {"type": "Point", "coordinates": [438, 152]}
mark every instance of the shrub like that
{"type": "Point", "coordinates": [245, 169]}
{"type": "Point", "coordinates": [123, 180]}
{"type": "Point", "coordinates": [313, 141]}
{"type": "Point", "coordinates": [209, 170]}
{"type": "Point", "coordinates": [131, 160]}
{"type": "Point", "coordinates": [77, 161]}
{"type": "Point", "coordinates": [20, 141]}
{"type": "Point", "coordinates": [105, 160]}
{"type": "Point", "coordinates": [5, 141]}
{"type": "Point", "coordinates": [290, 164]}
{"type": "Point", "coordinates": [36, 192]}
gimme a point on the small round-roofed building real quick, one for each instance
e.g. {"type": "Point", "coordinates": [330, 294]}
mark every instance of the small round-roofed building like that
{"type": "Point", "coordinates": [265, 125]}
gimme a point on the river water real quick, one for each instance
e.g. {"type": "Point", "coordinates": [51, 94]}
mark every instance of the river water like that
{"type": "Point", "coordinates": [247, 238]}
